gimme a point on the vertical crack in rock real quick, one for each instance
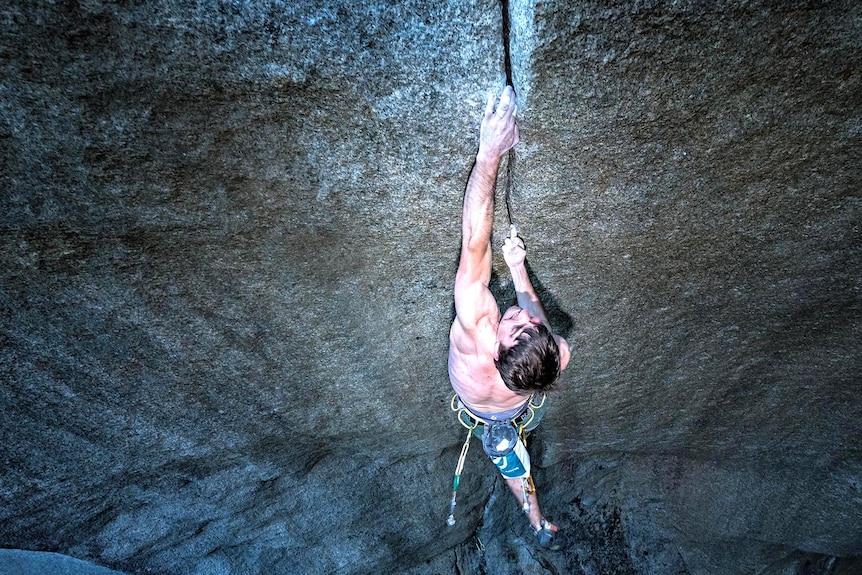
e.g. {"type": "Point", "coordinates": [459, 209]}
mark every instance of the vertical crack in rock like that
{"type": "Point", "coordinates": [507, 53]}
{"type": "Point", "coordinates": [518, 37]}
{"type": "Point", "coordinates": [507, 65]}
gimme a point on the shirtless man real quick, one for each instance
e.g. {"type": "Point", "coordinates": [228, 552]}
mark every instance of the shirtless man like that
{"type": "Point", "coordinates": [497, 363]}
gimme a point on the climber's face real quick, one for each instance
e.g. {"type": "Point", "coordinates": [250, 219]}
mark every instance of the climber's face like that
{"type": "Point", "coordinates": [513, 324]}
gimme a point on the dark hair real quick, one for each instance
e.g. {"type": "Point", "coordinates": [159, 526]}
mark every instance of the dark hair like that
{"type": "Point", "coordinates": [532, 364]}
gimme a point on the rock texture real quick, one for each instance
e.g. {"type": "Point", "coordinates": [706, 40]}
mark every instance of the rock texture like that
{"type": "Point", "coordinates": [230, 233]}
{"type": "Point", "coordinates": [699, 216]}
{"type": "Point", "coordinates": [17, 562]}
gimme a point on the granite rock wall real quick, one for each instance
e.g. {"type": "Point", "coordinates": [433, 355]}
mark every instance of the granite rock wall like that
{"type": "Point", "coordinates": [229, 238]}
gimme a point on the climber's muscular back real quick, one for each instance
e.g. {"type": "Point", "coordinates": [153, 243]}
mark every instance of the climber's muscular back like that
{"type": "Point", "coordinates": [472, 347]}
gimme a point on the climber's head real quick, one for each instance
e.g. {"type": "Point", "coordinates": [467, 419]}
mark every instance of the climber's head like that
{"type": "Point", "coordinates": [527, 355]}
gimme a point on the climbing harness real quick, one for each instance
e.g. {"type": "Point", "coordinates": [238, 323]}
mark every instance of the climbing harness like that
{"type": "Point", "coordinates": [504, 440]}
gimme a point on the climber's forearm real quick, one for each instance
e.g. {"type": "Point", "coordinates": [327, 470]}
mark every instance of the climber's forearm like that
{"type": "Point", "coordinates": [527, 297]}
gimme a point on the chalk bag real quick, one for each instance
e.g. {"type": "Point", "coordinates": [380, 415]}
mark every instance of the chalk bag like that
{"type": "Point", "coordinates": [506, 449]}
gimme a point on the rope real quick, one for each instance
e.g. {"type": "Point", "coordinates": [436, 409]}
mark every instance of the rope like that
{"type": "Point", "coordinates": [510, 169]}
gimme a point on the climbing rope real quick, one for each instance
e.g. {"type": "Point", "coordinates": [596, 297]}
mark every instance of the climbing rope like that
{"type": "Point", "coordinates": [510, 170]}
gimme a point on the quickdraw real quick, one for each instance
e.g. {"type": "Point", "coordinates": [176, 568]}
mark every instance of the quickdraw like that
{"type": "Point", "coordinates": [458, 469]}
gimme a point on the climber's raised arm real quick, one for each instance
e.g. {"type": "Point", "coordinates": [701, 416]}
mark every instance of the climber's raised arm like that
{"type": "Point", "coordinates": [498, 134]}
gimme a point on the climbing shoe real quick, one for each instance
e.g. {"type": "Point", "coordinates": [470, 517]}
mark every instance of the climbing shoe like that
{"type": "Point", "coordinates": [549, 536]}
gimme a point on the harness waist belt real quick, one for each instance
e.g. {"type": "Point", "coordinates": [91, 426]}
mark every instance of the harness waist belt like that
{"type": "Point", "coordinates": [510, 414]}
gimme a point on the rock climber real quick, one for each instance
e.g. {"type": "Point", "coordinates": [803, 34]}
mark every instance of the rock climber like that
{"type": "Point", "coordinates": [500, 364]}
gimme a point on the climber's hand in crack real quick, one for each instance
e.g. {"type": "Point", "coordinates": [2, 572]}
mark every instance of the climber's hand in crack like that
{"type": "Point", "coordinates": [499, 131]}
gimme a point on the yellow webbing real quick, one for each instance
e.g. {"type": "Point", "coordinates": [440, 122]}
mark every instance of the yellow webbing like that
{"type": "Point", "coordinates": [464, 449]}
{"type": "Point", "coordinates": [460, 467]}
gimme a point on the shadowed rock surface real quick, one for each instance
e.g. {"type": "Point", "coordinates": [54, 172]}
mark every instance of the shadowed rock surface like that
{"type": "Point", "coordinates": [229, 239]}
{"type": "Point", "coordinates": [18, 562]}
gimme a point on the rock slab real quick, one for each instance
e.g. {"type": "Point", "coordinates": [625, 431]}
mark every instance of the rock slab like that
{"type": "Point", "coordinates": [17, 562]}
{"type": "Point", "coordinates": [229, 236]}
